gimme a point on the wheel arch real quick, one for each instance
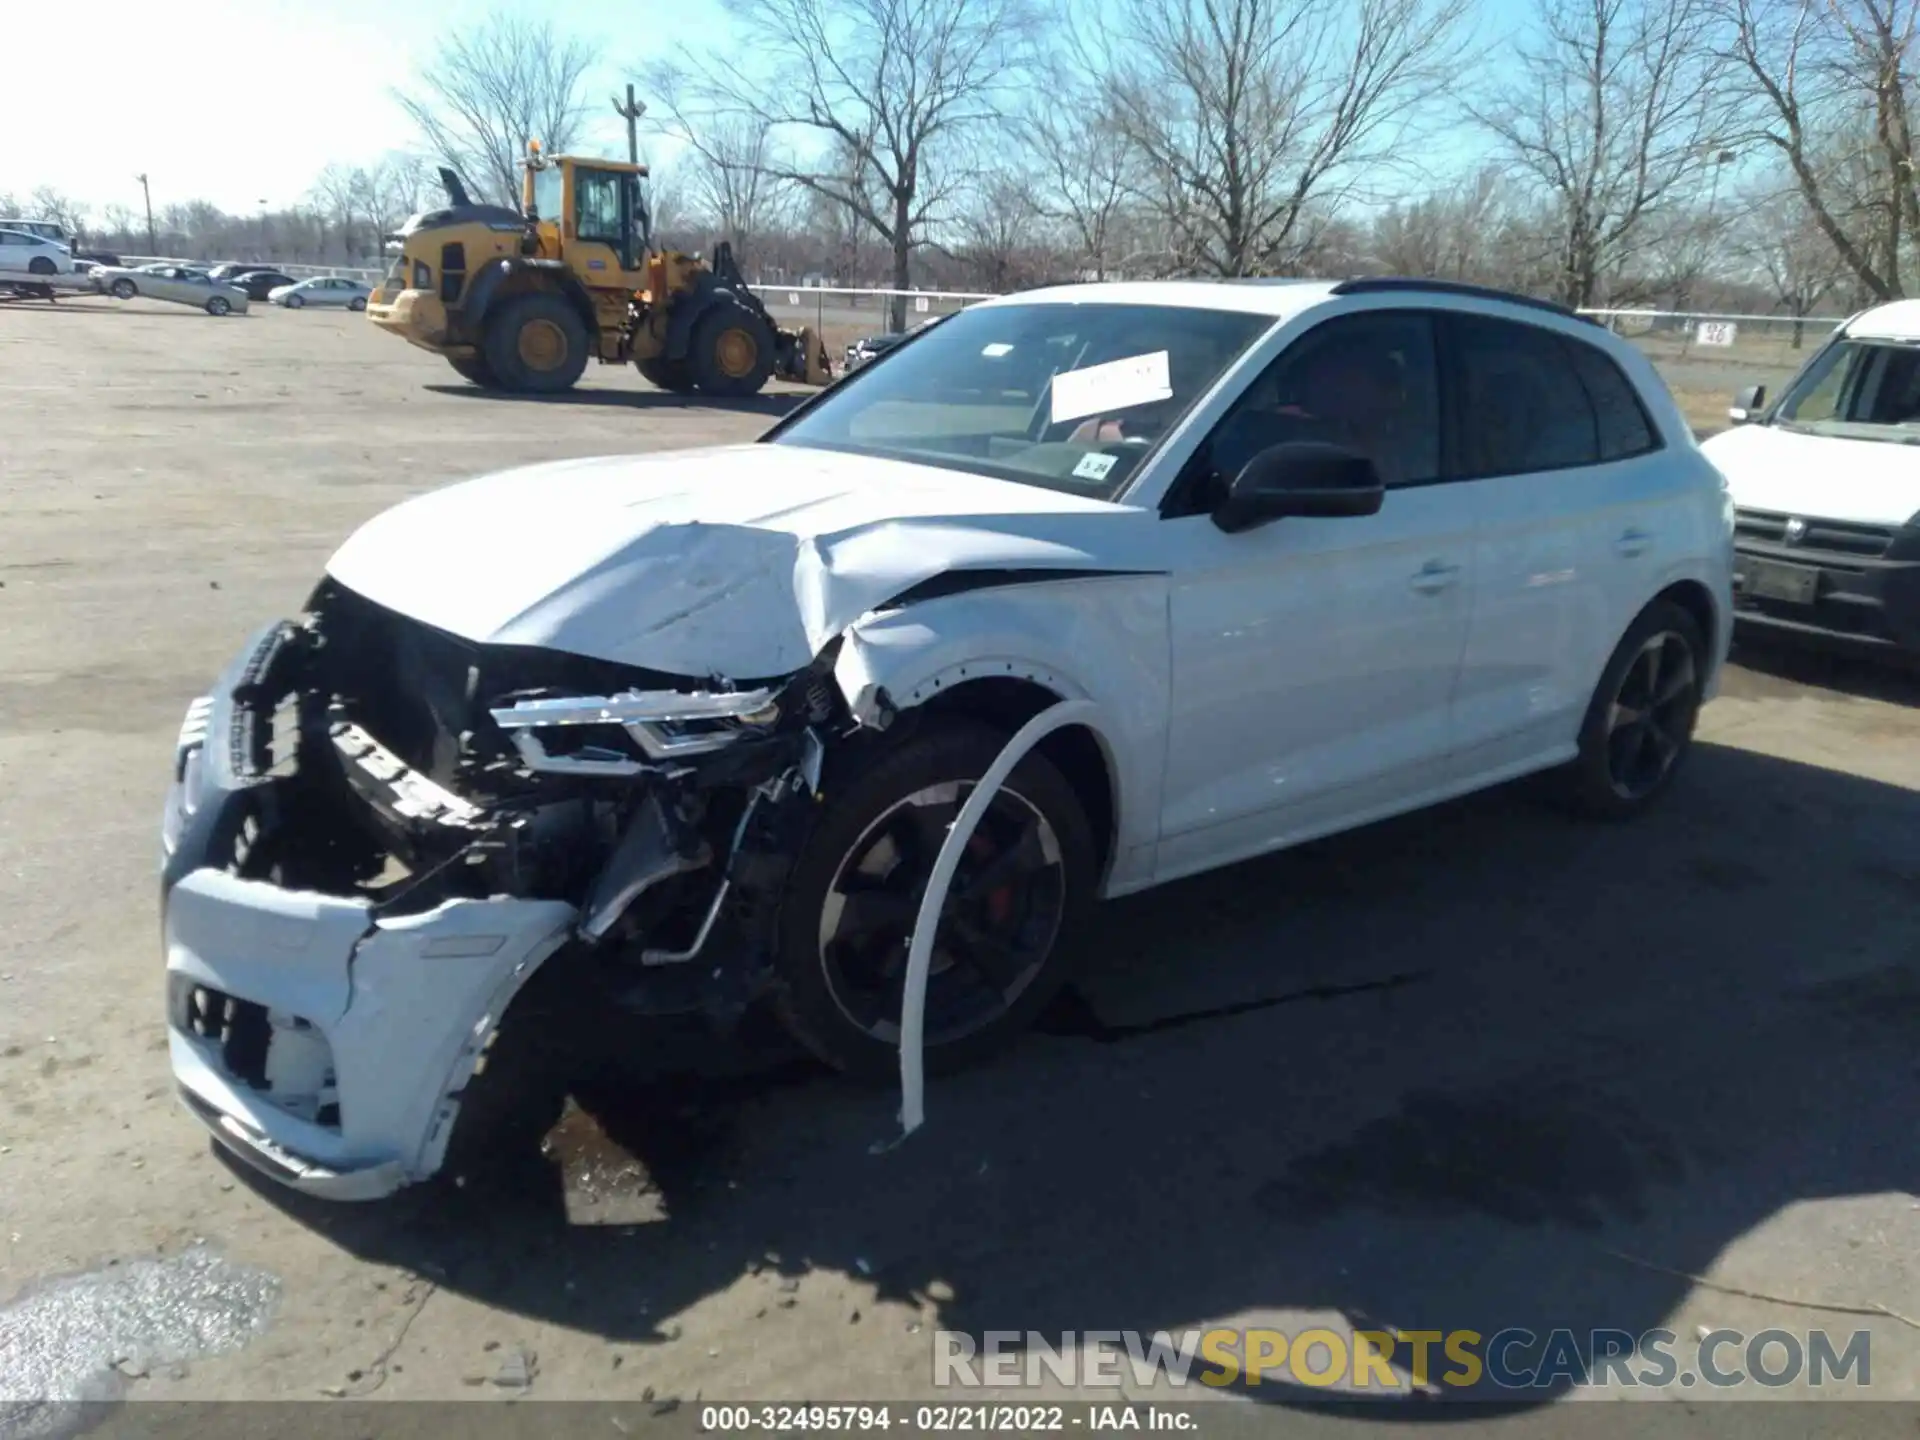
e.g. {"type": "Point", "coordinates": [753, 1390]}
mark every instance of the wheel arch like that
{"type": "Point", "coordinates": [1080, 753]}
{"type": "Point", "coordinates": [508, 277]}
{"type": "Point", "coordinates": [1694, 597]}
{"type": "Point", "coordinates": [1006, 654]}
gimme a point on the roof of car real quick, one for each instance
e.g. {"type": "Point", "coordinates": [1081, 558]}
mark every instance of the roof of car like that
{"type": "Point", "coordinates": [1278, 296]}
{"type": "Point", "coordinates": [1895, 320]}
{"type": "Point", "coordinates": [1263, 297]}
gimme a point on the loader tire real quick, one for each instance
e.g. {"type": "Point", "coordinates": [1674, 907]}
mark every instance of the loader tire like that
{"type": "Point", "coordinates": [672, 376]}
{"type": "Point", "coordinates": [475, 368]}
{"type": "Point", "coordinates": [536, 345]}
{"type": "Point", "coordinates": [732, 353]}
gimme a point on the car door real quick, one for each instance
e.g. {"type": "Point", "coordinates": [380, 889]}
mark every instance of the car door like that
{"type": "Point", "coordinates": [1313, 660]}
{"type": "Point", "coordinates": [1553, 447]}
{"type": "Point", "coordinates": [166, 284]}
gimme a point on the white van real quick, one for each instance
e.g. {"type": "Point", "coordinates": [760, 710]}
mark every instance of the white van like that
{"type": "Point", "coordinates": [1825, 481]}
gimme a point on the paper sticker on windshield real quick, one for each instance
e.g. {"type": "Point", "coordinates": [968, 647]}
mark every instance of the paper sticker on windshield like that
{"type": "Point", "coordinates": [996, 350]}
{"type": "Point", "coordinates": [1094, 466]}
{"type": "Point", "coordinates": [1117, 385]}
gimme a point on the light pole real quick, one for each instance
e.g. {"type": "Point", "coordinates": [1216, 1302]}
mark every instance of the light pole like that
{"type": "Point", "coordinates": [153, 241]}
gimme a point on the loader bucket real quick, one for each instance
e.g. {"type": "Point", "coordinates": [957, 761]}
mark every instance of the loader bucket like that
{"type": "Point", "coordinates": [802, 358]}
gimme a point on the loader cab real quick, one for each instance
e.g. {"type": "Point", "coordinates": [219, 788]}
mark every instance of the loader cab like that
{"type": "Point", "coordinates": [590, 214]}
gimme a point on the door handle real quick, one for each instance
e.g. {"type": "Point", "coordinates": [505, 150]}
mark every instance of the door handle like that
{"type": "Point", "coordinates": [1434, 576]}
{"type": "Point", "coordinates": [1632, 543]}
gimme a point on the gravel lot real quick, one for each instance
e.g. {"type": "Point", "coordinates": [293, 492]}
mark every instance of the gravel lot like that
{"type": "Point", "coordinates": [1478, 1068]}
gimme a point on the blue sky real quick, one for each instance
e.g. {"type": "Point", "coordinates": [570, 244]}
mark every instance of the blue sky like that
{"type": "Point", "coordinates": [244, 101]}
{"type": "Point", "coordinates": [239, 101]}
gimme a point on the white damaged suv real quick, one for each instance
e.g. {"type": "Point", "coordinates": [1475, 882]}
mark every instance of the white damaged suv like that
{"type": "Point", "coordinates": [683, 732]}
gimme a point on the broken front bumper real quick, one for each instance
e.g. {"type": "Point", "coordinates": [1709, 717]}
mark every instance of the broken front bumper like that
{"type": "Point", "coordinates": [321, 1041]}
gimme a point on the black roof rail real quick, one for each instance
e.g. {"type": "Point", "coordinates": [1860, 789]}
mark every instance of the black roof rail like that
{"type": "Point", "coordinates": [1396, 284]}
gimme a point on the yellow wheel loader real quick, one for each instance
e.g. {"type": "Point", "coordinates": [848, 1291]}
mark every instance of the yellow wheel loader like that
{"type": "Point", "coordinates": [520, 301]}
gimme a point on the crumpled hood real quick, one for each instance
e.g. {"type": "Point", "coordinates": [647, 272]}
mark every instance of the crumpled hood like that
{"type": "Point", "coordinates": [1868, 482]}
{"type": "Point", "coordinates": [740, 560]}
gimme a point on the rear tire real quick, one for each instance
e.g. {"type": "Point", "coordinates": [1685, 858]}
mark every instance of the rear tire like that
{"type": "Point", "coordinates": [41, 265]}
{"type": "Point", "coordinates": [732, 351]}
{"type": "Point", "coordinates": [476, 370]}
{"type": "Point", "coordinates": [840, 972]}
{"type": "Point", "coordinates": [124, 289]}
{"type": "Point", "coordinates": [672, 376]}
{"type": "Point", "coordinates": [1639, 724]}
{"type": "Point", "coordinates": [536, 344]}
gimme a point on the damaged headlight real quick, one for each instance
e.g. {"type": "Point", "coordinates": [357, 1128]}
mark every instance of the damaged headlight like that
{"type": "Point", "coordinates": [569, 734]}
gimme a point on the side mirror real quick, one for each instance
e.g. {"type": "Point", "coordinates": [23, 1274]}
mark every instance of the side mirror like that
{"type": "Point", "coordinates": [1303, 478]}
{"type": "Point", "coordinates": [1748, 404]}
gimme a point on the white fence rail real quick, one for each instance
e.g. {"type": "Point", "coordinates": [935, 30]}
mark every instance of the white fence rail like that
{"type": "Point", "coordinates": [853, 305]}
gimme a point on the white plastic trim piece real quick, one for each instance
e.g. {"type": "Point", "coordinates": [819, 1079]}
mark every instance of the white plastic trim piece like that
{"type": "Point", "coordinates": [913, 1003]}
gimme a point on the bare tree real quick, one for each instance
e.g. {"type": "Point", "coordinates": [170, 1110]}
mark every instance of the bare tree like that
{"type": "Point", "coordinates": [1779, 236]}
{"type": "Point", "coordinates": [1245, 112]}
{"type": "Point", "coordinates": [50, 204]}
{"type": "Point", "coordinates": [898, 87]}
{"type": "Point", "coordinates": [488, 91]}
{"type": "Point", "coordinates": [1452, 234]}
{"type": "Point", "coordinates": [999, 232]}
{"type": "Point", "coordinates": [340, 192]}
{"type": "Point", "coordinates": [1830, 86]}
{"type": "Point", "coordinates": [733, 182]}
{"type": "Point", "coordinates": [1083, 161]}
{"type": "Point", "coordinates": [1615, 114]}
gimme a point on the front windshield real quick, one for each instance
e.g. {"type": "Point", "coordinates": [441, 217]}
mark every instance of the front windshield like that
{"type": "Point", "coordinates": [1067, 396]}
{"type": "Point", "coordinates": [1864, 388]}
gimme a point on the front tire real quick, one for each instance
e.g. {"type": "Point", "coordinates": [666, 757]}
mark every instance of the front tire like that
{"type": "Point", "coordinates": [1000, 955]}
{"type": "Point", "coordinates": [124, 289]}
{"type": "Point", "coordinates": [475, 369]}
{"type": "Point", "coordinates": [672, 376]}
{"type": "Point", "coordinates": [41, 265]}
{"type": "Point", "coordinates": [356, 305]}
{"type": "Point", "coordinates": [536, 344]}
{"type": "Point", "coordinates": [218, 305]}
{"type": "Point", "coordinates": [294, 302]}
{"type": "Point", "coordinates": [1639, 724]}
{"type": "Point", "coordinates": [732, 351]}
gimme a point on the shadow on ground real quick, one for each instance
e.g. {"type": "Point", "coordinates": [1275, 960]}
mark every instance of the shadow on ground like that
{"type": "Point", "coordinates": [1444, 1072]}
{"type": "Point", "coordinates": [770, 405]}
{"type": "Point", "coordinates": [1781, 664]}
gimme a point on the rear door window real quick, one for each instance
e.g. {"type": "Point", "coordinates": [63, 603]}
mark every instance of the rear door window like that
{"type": "Point", "coordinates": [1521, 402]}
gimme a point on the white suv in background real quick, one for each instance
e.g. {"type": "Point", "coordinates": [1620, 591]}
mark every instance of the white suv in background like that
{"type": "Point", "coordinates": [690, 728]}
{"type": "Point", "coordinates": [21, 250]}
{"type": "Point", "coordinates": [1826, 481]}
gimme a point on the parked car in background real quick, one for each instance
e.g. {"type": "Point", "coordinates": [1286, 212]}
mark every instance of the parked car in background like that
{"type": "Point", "coordinates": [35, 254]}
{"type": "Point", "coordinates": [233, 269]}
{"type": "Point", "coordinates": [1826, 489]}
{"type": "Point", "coordinates": [179, 283]}
{"type": "Point", "coordinates": [322, 290]}
{"type": "Point", "coordinates": [872, 347]}
{"type": "Point", "coordinates": [96, 257]}
{"type": "Point", "coordinates": [260, 284]}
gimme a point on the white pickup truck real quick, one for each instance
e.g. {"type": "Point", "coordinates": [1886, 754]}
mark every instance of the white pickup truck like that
{"type": "Point", "coordinates": [1825, 482]}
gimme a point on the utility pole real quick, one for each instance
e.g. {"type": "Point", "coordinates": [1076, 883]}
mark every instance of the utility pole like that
{"type": "Point", "coordinates": [631, 111]}
{"type": "Point", "coordinates": [153, 241]}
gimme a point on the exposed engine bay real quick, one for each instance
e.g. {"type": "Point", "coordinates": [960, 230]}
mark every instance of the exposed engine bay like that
{"type": "Point", "coordinates": [663, 809]}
